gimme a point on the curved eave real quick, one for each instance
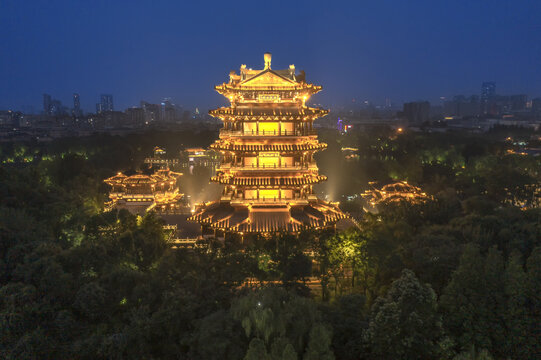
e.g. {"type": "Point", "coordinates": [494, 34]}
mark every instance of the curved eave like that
{"type": "Point", "coordinates": [269, 181]}
{"type": "Point", "coordinates": [227, 88]}
{"type": "Point", "coordinates": [220, 216]}
{"type": "Point", "coordinates": [268, 147]}
{"type": "Point", "coordinates": [268, 114]}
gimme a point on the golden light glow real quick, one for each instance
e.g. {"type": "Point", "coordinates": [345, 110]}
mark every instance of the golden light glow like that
{"type": "Point", "coordinates": [156, 190]}
{"type": "Point", "coordinates": [269, 194]}
{"type": "Point", "coordinates": [269, 127]}
{"type": "Point", "coordinates": [394, 193]}
{"type": "Point", "coordinates": [269, 159]}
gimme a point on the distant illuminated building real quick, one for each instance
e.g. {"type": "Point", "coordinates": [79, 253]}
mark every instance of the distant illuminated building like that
{"type": "Point", "coordinates": [268, 144]}
{"type": "Point", "coordinates": [152, 112]}
{"type": "Point", "coordinates": [159, 151]}
{"type": "Point", "coordinates": [159, 160]}
{"type": "Point", "coordinates": [393, 193]}
{"type": "Point", "coordinates": [135, 116]}
{"type": "Point", "coordinates": [47, 101]}
{"type": "Point", "coordinates": [340, 125]}
{"type": "Point", "coordinates": [461, 106]}
{"type": "Point", "coordinates": [416, 112]}
{"type": "Point", "coordinates": [76, 105]}
{"type": "Point", "coordinates": [140, 193]}
{"type": "Point", "coordinates": [350, 153]}
{"type": "Point", "coordinates": [488, 93]}
{"type": "Point", "coordinates": [168, 111]}
{"type": "Point", "coordinates": [52, 106]}
{"type": "Point", "coordinates": [106, 103]}
{"type": "Point", "coordinates": [200, 157]}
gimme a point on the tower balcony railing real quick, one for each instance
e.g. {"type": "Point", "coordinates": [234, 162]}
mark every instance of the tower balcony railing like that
{"type": "Point", "coordinates": [267, 167]}
{"type": "Point", "coordinates": [225, 133]}
{"type": "Point", "coordinates": [271, 167]}
{"type": "Point", "coordinates": [297, 200]}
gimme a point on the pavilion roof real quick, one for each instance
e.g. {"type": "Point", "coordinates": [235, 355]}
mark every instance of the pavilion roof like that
{"type": "Point", "coordinates": [117, 179]}
{"type": "Point", "coordinates": [161, 175]}
{"type": "Point", "coordinates": [139, 179]}
{"type": "Point", "coordinates": [269, 75]}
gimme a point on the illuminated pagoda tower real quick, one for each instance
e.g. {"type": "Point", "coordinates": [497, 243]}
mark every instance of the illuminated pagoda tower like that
{"type": "Point", "coordinates": [268, 167]}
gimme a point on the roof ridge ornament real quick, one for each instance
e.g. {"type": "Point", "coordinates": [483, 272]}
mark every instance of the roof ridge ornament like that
{"type": "Point", "coordinates": [267, 57]}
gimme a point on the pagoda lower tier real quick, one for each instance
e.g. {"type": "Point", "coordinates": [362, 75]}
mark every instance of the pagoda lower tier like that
{"type": "Point", "coordinates": [268, 218]}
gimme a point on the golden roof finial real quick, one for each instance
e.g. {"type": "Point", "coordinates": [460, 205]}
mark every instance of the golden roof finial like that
{"type": "Point", "coordinates": [268, 57]}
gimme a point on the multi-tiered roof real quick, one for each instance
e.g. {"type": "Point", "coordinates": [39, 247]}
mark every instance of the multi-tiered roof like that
{"type": "Point", "coordinates": [139, 192]}
{"type": "Point", "coordinates": [268, 168]}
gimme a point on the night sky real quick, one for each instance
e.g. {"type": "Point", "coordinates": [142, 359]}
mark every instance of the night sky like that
{"type": "Point", "coordinates": [362, 50]}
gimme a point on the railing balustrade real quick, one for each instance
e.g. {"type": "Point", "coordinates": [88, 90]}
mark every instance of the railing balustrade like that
{"type": "Point", "coordinates": [267, 167]}
{"type": "Point", "coordinates": [268, 132]}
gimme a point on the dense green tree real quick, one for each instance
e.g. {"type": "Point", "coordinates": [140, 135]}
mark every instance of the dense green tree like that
{"type": "Point", "coordinates": [404, 324]}
{"type": "Point", "coordinates": [218, 336]}
{"type": "Point", "coordinates": [348, 316]}
{"type": "Point", "coordinates": [463, 302]}
{"type": "Point", "coordinates": [516, 310]}
{"type": "Point", "coordinates": [472, 354]}
{"type": "Point", "coordinates": [283, 257]}
{"type": "Point", "coordinates": [533, 302]}
{"type": "Point", "coordinates": [288, 353]}
{"type": "Point", "coordinates": [487, 302]}
{"type": "Point", "coordinates": [257, 350]}
{"type": "Point", "coordinates": [273, 315]}
{"type": "Point", "coordinates": [319, 344]}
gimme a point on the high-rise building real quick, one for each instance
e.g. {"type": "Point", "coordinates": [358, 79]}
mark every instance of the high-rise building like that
{"type": "Point", "coordinates": [168, 112]}
{"type": "Point", "coordinates": [52, 106]}
{"type": "Point", "coordinates": [462, 106]}
{"type": "Point", "coordinates": [9, 118]}
{"type": "Point", "coordinates": [417, 112]}
{"type": "Point", "coordinates": [76, 105]}
{"type": "Point", "coordinates": [268, 145]}
{"type": "Point", "coordinates": [152, 112]}
{"type": "Point", "coordinates": [106, 102]}
{"type": "Point", "coordinates": [488, 92]}
{"type": "Point", "coordinates": [47, 100]}
{"type": "Point", "coordinates": [135, 116]}
{"type": "Point", "coordinates": [518, 102]}
{"type": "Point", "coordinates": [536, 106]}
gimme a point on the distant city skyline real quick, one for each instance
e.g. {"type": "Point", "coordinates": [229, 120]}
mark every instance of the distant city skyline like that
{"type": "Point", "coordinates": [402, 51]}
{"type": "Point", "coordinates": [105, 101]}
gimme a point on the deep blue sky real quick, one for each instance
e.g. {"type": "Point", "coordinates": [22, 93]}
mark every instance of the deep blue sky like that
{"type": "Point", "coordinates": [367, 50]}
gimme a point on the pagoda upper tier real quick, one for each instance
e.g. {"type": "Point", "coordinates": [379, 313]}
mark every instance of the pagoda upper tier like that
{"type": "Point", "coordinates": [267, 86]}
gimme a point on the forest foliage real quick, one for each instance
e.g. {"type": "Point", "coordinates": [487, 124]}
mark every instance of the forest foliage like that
{"type": "Point", "coordinates": [456, 277]}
